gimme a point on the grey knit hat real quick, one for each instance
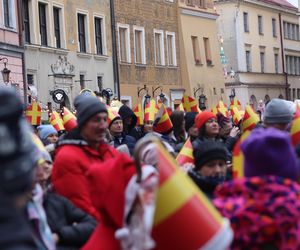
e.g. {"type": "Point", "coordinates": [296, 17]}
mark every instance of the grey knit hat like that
{"type": "Point", "coordinates": [87, 106]}
{"type": "Point", "coordinates": [278, 111]}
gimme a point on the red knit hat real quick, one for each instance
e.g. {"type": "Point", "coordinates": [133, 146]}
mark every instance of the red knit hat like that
{"type": "Point", "coordinates": [203, 117]}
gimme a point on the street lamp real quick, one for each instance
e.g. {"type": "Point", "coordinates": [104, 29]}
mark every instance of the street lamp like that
{"type": "Point", "coordinates": [147, 96]}
{"type": "Point", "coordinates": [161, 95]}
{"type": "Point", "coordinates": [107, 93]}
{"type": "Point", "coordinates": [232, 95]}
{"type": "Point", "coordinates": [201, 98]}
{"type": "Point", "coordinates": [5, 72]}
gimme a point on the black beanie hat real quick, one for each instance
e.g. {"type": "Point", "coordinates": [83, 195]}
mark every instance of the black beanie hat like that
{"type": "Point", "coordinates": [189, 120]}
{"type": "Point", "coordinates": [207, 151]}
{"type": "Point", "coordinates": [86, 107]}
{"type": "Point", "coordinates": [18, 153]}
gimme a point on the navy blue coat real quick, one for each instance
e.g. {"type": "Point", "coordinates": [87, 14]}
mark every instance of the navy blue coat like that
{"type": "Point", "coordinates": [125, 139]}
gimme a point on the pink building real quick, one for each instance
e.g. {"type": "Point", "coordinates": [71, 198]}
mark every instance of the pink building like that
{"type": "Point", "coordinates": [11, 45]}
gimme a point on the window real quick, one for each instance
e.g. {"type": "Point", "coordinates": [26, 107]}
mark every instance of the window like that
{"type": "Point", "coordinates": [260, 25]}
{"type": "Point", "coordinates": [82, 81]}
{"type": "Point", "coordinates": [196, 50]}
{"type": "Point", "coordinates": [291, 31]}
{"type": "Point", "coordinates": [139, 45]}
{"type": "Point", "coordinates": [248, 61]}
{"type": "Point", "coordinates": [171, 49]}
{"type": "Point", "coordinates": [124, 43]}
{"type": "Point", "coordinates": [202, 3]}
{"type": "Point", "coordinates": [246, 22]}
{"type": "Point", "coordinates": [276, 60]}
{"type": "Point", "coordinates": [292, 64]}
{"type": "Point", "coordinates": [6, 12]}
{"type": "Point", "coordinates": [98, 35]}
{"type": "Point", "coordinates": [30, 79]}
{"type": "Point", "coordinates": [190, 2]}
{"type": "Point", "coordinates": [159, 47]}
{"type": "Point", "coordinates": [26, 21]}
{"type": "Point", "coordinates": [274, 31]}
{"type": "Point", "coordinates": [43, 24]}
{"type": "Point", "coordinates": [294, 95]}
{"type": "Point", "coordinates": [81, 32]}
{"type": "Point", "coordinates": [56, 14]}
{"type": "Point", "coordinates": [207, 51]}
{"type": "Point", "coordinates": [298, 93]}
{"type": "Point", "coordinates": [100, 83]}
{"type": "Point", "coordinates": [262, 62]}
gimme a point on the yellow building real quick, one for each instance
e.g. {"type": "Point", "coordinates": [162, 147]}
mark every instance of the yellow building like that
{"type": "Point", "coordinates": [262, 46]}
{"type": "Point", "coordinates": [200, 51]}
{"type": "Point", "coordinates": [68, 47]}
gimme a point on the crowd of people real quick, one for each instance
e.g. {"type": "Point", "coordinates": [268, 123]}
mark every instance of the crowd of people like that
{"type": "Point", "coordinates": [83, 189]}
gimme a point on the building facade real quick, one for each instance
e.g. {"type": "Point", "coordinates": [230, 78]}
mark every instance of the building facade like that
{"type": "Point", "coordinates": [262, 49]}
{"type": "Point", "coordinates": [68, 48]}
{"type": "Point", "coordinates": [11, 48]}
{"type": "Point", "coordinates": [200, 51]}
{"type": "Point", "coordinates": [147, 41]}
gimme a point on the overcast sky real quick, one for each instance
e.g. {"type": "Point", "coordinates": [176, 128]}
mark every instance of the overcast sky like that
{"type": "Point", "coordinates": [294, 2]}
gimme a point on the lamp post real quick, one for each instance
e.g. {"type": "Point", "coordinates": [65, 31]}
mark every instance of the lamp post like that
{"type": "Point", "coordinates": [5, 72]}
{"type": "Point", "coordinates": [232, 95]}
{"type": "Point", "coordinates": [147, 96]}
{"type": "Point", "coordinates": [161, 95]}
{"type": "Point", "coordinates": [107, 93]}
{"type": "Point", "coordinates": [201, 98]}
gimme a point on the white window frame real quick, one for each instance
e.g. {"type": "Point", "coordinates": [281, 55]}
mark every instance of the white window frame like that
{"type": "Point", "coordinates": [127, 27]}
{"type": "Point", "coordinates": [63, 40]}
{"type": "Point", "coordinates": [49, 20]}
{"type": "Point", "coordinates": [143, 44]}
{"type": "Point", "coordinates": [172, 34]}
{"type": "Point", "coordinates": [86, 29]}
{"type": "Point", "coordinates": [12, 15]}
{"type": "Point", "coordinates": [162, 47]}
{"type": "Point", "coordinates": [103, 29]}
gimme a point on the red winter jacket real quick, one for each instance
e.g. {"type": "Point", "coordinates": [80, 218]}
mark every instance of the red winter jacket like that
{"type": "Point", "coordinates": [108, 182]}
{"type": "Point", "coordinates": [72, 161]}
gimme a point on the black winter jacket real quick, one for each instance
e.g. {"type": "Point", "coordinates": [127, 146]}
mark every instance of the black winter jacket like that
{"type": "Point", "coordinates": [72, 225]}
{"type": "Point", "coordinates": [125, 139]}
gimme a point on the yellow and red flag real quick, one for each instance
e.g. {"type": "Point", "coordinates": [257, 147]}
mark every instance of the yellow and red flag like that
{"type": "Point", "coordinates": [222, 109]}
{"type": "Point", "coordinates": [295, 129]}
{"type": "Point", "coordinates": [34, 113]}
{"type": "Point", "coordinates": [238, 157]}
{"type": "Point", "coordinates": [189, 104]}
{"type": "Point", "coordinates": [112, 114]}
{"type": "Point", "coordinates": [235, 103]}
{"type": "Point", "coordinates": [162, 122]}
{"type": "Point", "coordinates": [180, 107]}
{"type": "Point", "coordinates": [250, 119]}
{"type": "Point", "coordinates": [186, 153]}
{"type": "Point", "coordinates": [237, 115]}
{"type": "Point", "coordinates": [139, 114]}
{"type": "Point", "coordinates": [69, 120]}
{"type": "Point", "coordinates": [151, 110]}
{"type": "Point", "coordinates": [56, 121]}
{"type": "Point", "coordinates": [177, 199]}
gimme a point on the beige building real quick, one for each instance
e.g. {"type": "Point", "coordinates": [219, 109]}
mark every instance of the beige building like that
{"type": "Point", "coordinates": [200, 51]}
{"type": "Point", "coordinates": [68, 47]}
{"type": "Point", "coordinates": [148, 50]}
{"type": "Point", "coordinates": [262, 46]}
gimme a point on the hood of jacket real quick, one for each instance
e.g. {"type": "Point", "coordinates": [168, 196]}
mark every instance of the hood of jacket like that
{"type": "Point", "coordinates": [126, 112]}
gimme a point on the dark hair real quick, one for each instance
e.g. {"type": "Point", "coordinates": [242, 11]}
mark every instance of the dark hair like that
{"type": "Point", "coordinates": [177, 118]}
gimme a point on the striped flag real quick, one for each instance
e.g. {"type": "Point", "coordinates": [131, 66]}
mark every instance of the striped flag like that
{"type": "Point", "coordinates": [180, 107]}
{"type": "Point", "coordinates": [238, 157]}
{"type": "Point", "coordinates": [186, 153]}
{"type": "Point", "coordinates": [150, 111]}
{"type": "Point", "coordinates": [235, 103]}
{"type": "Point", "coordinates": [56, 121]}
{"type": "Point", "coordinates": [250, 119]}
{"type": "Point", "coordinates": [295, 129]}
{"type": "Point", "coordinates": [237, 115]}
{"type": "Point", "coordinates": [189, 104]}
{"type": "Point", "coordinates": [69, 120]}
{"type": "Point", "coordinates": [112, 114]}
{"type": "Point", "coordinates": [139, 114]}
{"type": "Point", "coordinates": [162, 122]}
{"type": "Point", "coordinates": [222, 109]}
{"type": "Point", "coordinates": [180, 204]}
{"type": "Point", "coordinates": [33, 113]}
